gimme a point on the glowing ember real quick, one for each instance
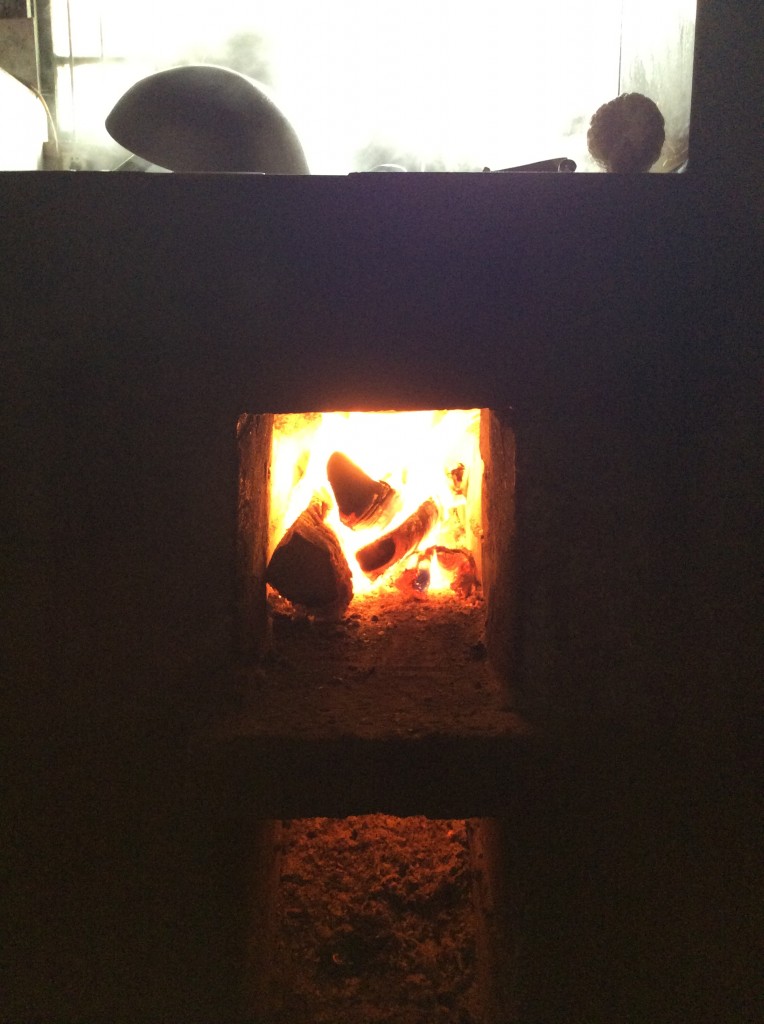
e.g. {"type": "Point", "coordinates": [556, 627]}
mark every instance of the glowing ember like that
{"type": "Point", "coordinates": [401, 489]}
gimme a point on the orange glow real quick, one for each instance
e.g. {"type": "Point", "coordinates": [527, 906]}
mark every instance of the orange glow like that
{"type": "Point", "coordinates": [430, 456]}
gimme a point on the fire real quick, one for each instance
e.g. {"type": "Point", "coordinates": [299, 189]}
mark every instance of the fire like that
{"type": "Point", "coordinates": [396, 489]}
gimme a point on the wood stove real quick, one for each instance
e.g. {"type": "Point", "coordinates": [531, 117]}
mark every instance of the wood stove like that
{"type": "Point", "coordinates": [614, 318]}
{"type": "Point", "coordinates": [398, 700]}
{"type": "Point", "coordinates": [403, 662]}
{"type": "Point", "coordinates": [344, 715]}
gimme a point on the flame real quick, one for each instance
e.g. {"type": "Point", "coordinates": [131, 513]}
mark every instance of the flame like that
{"type": "Point", "coordinates": [433, 454]}
{"type": "Point", "coordinates": [440, 579]}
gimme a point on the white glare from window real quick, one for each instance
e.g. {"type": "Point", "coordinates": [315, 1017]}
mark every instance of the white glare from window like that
{"type": "Point", "coordinates": [426, 84]}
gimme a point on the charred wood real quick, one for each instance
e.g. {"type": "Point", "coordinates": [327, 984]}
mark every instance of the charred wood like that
{"type": "Point", "coordinates": [375, 558]}
{"type": "Point", "coordinates": [460, 564]}
{"type": "Point", "coordinates": [361, 500]}
{"type": "Point", "coordinates": [308, 566]}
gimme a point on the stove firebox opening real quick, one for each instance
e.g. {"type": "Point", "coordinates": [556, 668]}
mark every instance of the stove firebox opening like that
{"type": "Point", "coordinates": [373, 520]}
{"type": "Point", "coordinates": [376, 917]}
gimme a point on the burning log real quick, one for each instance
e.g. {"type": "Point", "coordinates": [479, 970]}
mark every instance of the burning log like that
{"type": "Point", "coordinates": [460, 564]}
{"type": "Point", "coordinates": [361, 500]}
{"type": "Point", "coordinates": [375, 558]}
{"type": "Point", "coordinates": [308, 567]}
{"type": "Point", "coordinates": [457, 563]}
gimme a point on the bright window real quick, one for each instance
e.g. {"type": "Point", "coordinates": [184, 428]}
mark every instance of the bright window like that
{"type": "Point", "coordinates": [429, 84]}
